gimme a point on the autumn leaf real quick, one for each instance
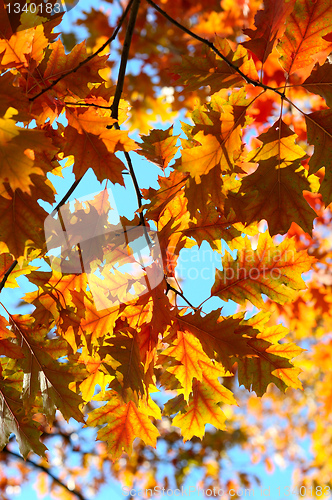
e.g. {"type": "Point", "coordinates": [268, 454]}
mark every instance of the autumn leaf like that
{"type": "Point", "coordinates": [17, 153]}
{"type": "Point", "coordinates": [55, 289]}
{"type": "Point", "coordinates": [169, 188]}
{"type": "Point", "coordinates": [91, 144]}
{"type": "Point", "coordinates": [204, 403]}
{"type": "Point", "coordinates": [43, 373]}
{"type": "Point", "coordinates": [96, 375]}
{"type": "Point", "coordinates": [274, 192]}
{"type": "Point", "coordinates": [20, 211]}
{"type": "Point", "coordinates": [124, 422]}
{"type": "Point", "coordinates": [59, 63]}
{"type": "Point", "coordinates": [302, 43]}
{"type": "Point", "coordinates": [7, 346]}
{"type": "Point", "coordinates": [279, 142]}
{"type": "Point", "coordinates": [16, 50]}
{"type": "Point", "coordinates": [210, 69]}
{"type": "Point", "coordinates": [6, 261]}
{"type": "Point", "coordinates": [273, 270]}
{"type": "Point", "coordinates": [202, 409]}
{"type": "Point", "coordinates": [12, 97]}
{"type": "Point", "coordinates": [218, 133]}
{"type": "Point", "coordinates": [271, 362]}
{"type": "Point", "coordinates": [270, 26]}
{"type": "Point", "coordinates": [95, 323]}
{"type": "Point", "coordinates": [320, 81]}
{"type": "Point", "coordinates": [218, 336]}
{"type": "Point", "coordinates": [159, 146]}
{"type": "Point", "coordinates": [256, 121]}
{"type": "Point", "coordinates": [212, 227]}
{"type": "Point", "coordinates": [211, 191]}
{"type": "Point", "coordinates": [123, 349]}
{"type": "Point", "coordinates": [187, 351]}
{"type": "Point", "coordinates": [15, 420]}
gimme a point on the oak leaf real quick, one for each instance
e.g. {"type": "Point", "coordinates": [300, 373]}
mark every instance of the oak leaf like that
{"type": "Point", "coordinates": [270, 26]}
{"type": "Point", "coordinates": [124, 422]}
{"type": "Point", "coordinates": [92, 145]}
{"type": "Point", "coordinates": [60, 63]}
{"type": "Point", "coordinates": [274, 270]}
{"type": "Point", "coordinates": [159, 146]}
{"type": "Point", "coordinates": [204, 403]}
{"type": "Point", "coordinates": [271, 364]}
{"type": "Point", "coordinates": [43, 373]}
{"type": "Point", "coordinates": [210, 69]}
{"type": "Point", "coordinates": [320, 81]}
{"type": "Point", "coordinates": [15, 420]}
{"type": "Point", "coordinates": [274, 192]}
{"type": "Point", "coordinates": [18, 148]}
{"type": "Point", "coordinates": [302, 43]}
{"type": "Point", "coordinates": [125, 362]}
{"type": "Point", "coordinates": [20, 211]}
{"type": "Point", "coordinates": [218, 133]}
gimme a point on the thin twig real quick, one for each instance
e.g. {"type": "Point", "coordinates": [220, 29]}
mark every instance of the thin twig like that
{"type": "Point", "coordinates": [134, 179]}
{"type": "Point", "coordinates": [66, 196]}
{"type": "Point", "coordinates": [115, 107]}
{"type": "Point", "coordinates": [91, 56]}
{"type": "Point", "coordinates": [170, 287]}
{"type": "Point", "coordinates": [47, 471]}
{"type": "Point", "coordinates": [6, 275]}
{"type": "Point", "coordinates": [124, 59]}
{"type": "Point", "coordinates": [215, 50]}
{"type": "Point", "coordinates": [87, 104]}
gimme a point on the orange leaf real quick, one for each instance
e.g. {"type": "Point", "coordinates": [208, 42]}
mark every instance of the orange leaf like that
{"type": "Point", "coordinates": [17, 153]}
{"type": "Point", "coordinates": [271, 361]}
{"type": "Point", "coordinates": [274, 192]}
{"type": "Point", "coordinates": [21, 212]}
{"type": "Point", "coordinates": [302, 44]}
{"type": "Point", "coordinates": [188, 352]}
{"type": "Point", "coordinates": [124, 422]}
{"type": "Point", "coordinates": [218, 131]}
{"type": "Point", "coordinates": [60, 63]}
{"type": "Point", "coordinates": [92, 145]}
{"type": "Point", "coordinates": [272, 270]}
{"type": "Point", "coordinates": [14, 419]}
{"type": "Point", "coordinates": [203, 406]}
{"type": "Point", "coordinates": [320, 81]}
{"type": "Point", "coordinates": [218, 335]}
{"type": "Point", "coordinates": [210, 69]}
{"type": "Point", "coordinates": [269, 27]}
{"type": "Point", "coordinates": [159, 146]}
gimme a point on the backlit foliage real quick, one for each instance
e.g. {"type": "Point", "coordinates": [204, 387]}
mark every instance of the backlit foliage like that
{"type": "Point", "coordinates": [252, 168]}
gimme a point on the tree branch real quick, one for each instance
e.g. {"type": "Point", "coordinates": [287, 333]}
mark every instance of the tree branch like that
{"type": "Point", "coordinates": [115, 106]}
{"type": "Point", "coordinates": [91, 56]}
{"type": "Point", "coordinates": [66, 196]}
{"type": "Point", "coordinates": [215, 50]}
{"type": "Point", "coordinates": [87, 104]}
{"type": "Point", "coordinates": [170, 287]}
{"type": "Point", "coordinates": [47, 471]}
{"type": "Point", "coordinates": [124, 59]}
{"type": "Point", "coordinates": [138, 192]}
{"type": "Point", "coordinates": [6, 275]}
